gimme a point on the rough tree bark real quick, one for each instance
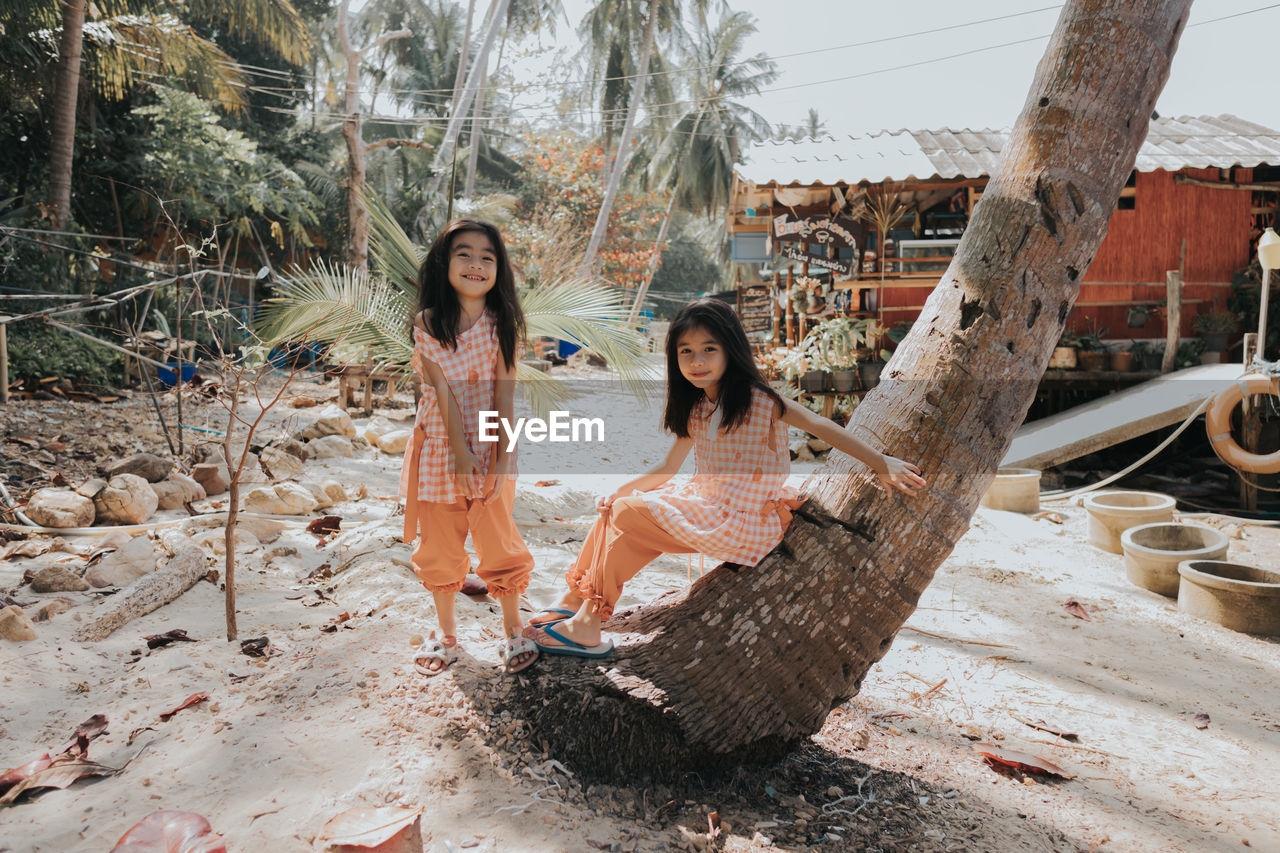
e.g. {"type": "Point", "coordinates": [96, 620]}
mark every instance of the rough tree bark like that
{"type": "Point", "coordinates": [753, 659]}
{"type": "Point", "coordinates": [62, 139]}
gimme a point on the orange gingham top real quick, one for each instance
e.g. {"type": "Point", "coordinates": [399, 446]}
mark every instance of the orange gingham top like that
{"type": "Point", "coordinates": [471, 372]}
{"type": "Point", "coordinates": [733, 508]}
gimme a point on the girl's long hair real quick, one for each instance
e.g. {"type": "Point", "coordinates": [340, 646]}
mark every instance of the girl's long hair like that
{"type": "Point", "coordinates": [437, 299]}
{"type": "Point", "coordinates": [740, 375]}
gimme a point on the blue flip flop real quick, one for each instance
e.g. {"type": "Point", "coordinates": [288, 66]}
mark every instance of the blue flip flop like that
{"type": "Point", "coordinates": [564, 612]}
{"type": "Point", "coordinates": [569, 647]}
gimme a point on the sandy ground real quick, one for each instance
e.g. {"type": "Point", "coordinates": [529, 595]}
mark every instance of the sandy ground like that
{"type": "Point", "coordinates": [336, 720]}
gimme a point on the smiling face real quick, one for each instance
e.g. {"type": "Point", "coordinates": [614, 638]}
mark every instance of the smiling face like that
{"type": "Point", "coordinates": [702, 360]}
{"type": "Point", "coordinates": [473, 265]}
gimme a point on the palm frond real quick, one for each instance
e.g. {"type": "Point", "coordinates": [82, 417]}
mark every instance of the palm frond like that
{"type": "Point", "coordinates": [395, 254]}
{"type": "Point", "coordinates": [352, 312]}
{"type": "Point", "coordinates": [274, 24]}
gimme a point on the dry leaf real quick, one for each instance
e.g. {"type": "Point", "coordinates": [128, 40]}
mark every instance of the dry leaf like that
{"type": "Point", "coordinates": [1201, 721]}
{"type": "Point", "coordinates": [999, 756]}
{"type": "Point", "coordinates": [158, 641]}
{"type": "Point", "coordinates": [62, 772]}
{"type": "Point", "coordinates": [193, 699]}
{"type": "Point", "coordinates": [84, 734]}
{"type": "Point", "coordinates": [542, 483]}
{"type": "Point", "coordinates": [12, 777]}
{"type": "Point", "coordinates": [472, 585]}
{"type": "Point", "coordinates": [1049, 515]}
{"type": "Point", "coordinates": [171, 832]}
{"type": "Point", "coordinates": [258, 647]}
{"type": "Point", "coordinates": [366, 827]}
{"type": "Point", "coordinates": [1076, 609]}
{"type": "Point", "coordinates": [325, 525]}
{"type": "Point", "coordinates": [332, 627]}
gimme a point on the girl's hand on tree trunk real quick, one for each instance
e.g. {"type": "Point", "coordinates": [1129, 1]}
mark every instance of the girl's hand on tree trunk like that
{"type": "Point", "coordinates": [900, 475]}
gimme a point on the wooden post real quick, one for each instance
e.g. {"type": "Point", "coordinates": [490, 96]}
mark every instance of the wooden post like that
{"type": "Point", "coordinates": [1173, 285]}
{"type": "Point", "coordinates": [791, 281]}
{"type": "Point", "coordinates": [4, 360]}
{"type": "Point", "coordinates": [368, 384]}
{"type": "Point", "coordinates": [1251, 428]}
{"type": "Point", "coordinates": [779, 335]}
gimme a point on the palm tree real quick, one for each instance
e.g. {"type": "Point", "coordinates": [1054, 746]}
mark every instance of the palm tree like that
{"type": "Point", "coordinates": [700, 150]}
{"type": "Point", "coordinates": [619, 15]}
{"type": "Point", "coordinates": [753, 659]}
{"type": "Point", "coordinates": [126, 42]}
{"type": "Point", "coordinates": [359, 312]}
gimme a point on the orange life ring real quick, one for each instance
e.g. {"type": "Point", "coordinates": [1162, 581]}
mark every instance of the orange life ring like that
{"type": "Point", "coordinates": [1217, 422]}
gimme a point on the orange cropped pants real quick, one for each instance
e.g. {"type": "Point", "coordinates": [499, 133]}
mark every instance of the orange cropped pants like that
{"type": "Point", "coordinates": [622, 541]}
{"type": "Point", "coordinates": [440, 559]}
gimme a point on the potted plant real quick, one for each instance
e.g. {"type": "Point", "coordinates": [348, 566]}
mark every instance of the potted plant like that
{"type": "Point", "coordinates": [870, 362]}
{"type": "Point", "coordinates": [1064, 354]}
{"type": "Point", "coordinates": [1215, 327]}
{"type": "Point", "coordinates": [1092, 353]}
{"type": "Point", "coordinates": [1122, 360]}
{"type": "Point", "coordinates": [1138, 315]}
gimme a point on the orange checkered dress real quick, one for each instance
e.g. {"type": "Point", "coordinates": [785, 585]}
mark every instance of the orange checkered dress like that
{"type": "Point", "coordinates": [470, 371]}
{"type": "Point", "coordinates": [735, 507]}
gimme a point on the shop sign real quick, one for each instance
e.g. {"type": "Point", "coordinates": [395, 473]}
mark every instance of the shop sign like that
{"type": "Point", "coordinates": [796, 252]}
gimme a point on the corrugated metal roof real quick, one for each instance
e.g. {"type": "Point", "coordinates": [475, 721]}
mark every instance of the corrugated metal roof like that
{"type": "Point", "coordinates": [1171, 144]}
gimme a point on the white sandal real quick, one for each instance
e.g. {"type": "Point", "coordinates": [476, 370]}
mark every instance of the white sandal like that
{"type": "Point", "coordinates": [436, 650]}
{"type": "Point", "coordinates": [513, 648]}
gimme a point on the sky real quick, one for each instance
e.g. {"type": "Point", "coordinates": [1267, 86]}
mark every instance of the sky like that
{"type": "Point", "coordinates": [1221, 66]}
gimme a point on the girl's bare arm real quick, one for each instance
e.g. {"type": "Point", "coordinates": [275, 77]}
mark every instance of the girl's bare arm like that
{"type": "Point", "coordinates": [892, 472]}
{"type": "Point", "coordinates": [656, 476]}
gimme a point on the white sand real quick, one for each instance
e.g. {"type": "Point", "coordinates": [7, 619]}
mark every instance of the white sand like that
{"type": "Point", "coordinates": [338, 720]}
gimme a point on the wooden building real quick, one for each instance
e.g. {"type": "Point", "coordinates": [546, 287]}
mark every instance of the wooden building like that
{"type": "Point", "coordinates": [1202, 191]}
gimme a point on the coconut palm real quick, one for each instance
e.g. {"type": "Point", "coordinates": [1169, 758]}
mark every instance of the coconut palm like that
{"type": "Point", "coordinates": [364, 314]}
{"type": "Point", "coordinates": [699, 151]}
{"type": "Point", "coordinates": [118, 45]}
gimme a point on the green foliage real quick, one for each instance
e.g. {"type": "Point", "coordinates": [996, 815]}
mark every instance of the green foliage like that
{"type": "Point", "coordinates": [211, 175]}
{"type": "Point", "coordinates": [37, 351]}
{"type": "Point", "coordinates": [687, 268]}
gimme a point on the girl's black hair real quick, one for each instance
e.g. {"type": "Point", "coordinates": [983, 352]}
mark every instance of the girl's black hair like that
{"type": "Point", "coordinates": [440, 304]}
{"type": "Point", "coordinates": [740, 374]}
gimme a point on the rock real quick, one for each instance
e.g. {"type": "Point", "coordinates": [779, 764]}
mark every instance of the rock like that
{"type": "Point", "coordinates": [208, 452]}
{"type": "Point", "coordinates": [330, 446]}
{"type": "Point", "coordinates": [90, 488]}
{"type": "Point", "coordinates": [124, 566]}
{"type": "Point", "coordinates": [60, 508]}
{"type": "Point", "coordinates": [57, 579]}
{"type": "Point", "coordinates": [337, 494]}
{"type": "Point", "coordinates": [800, 451]}
{"type": "Point", "coordinates": [252, 474]}
{"type": "Point", "coordinates": [281, 463]}
{"type": "Point", "coordinates": [330, 420]}
{"type": "Point", "coordinates": [281, 499]}
{"type": "Point", "coordinates": [360, 443]}
{"type": "Point", "coordinates": [291, 445]}
{"type": "Point", "coordinates": [377, 428]}
{"type": "Point", "coordinates": [212, 477]}
{"type": "Point", "coordinates": [50, 609]}
{"type": "Point", "coordinates": [265, 530]}
{"type": "Point", "coordinates": [215, 541]}
{"type": "Point", "coordinates": [177, 489]}
{"type": "Point", "coordinates": [16, 625]}
{"type": "Point", "coordinates": [127, 499]}
{"type": "Point", "coordinates": [317, 492]}
{"type": "Point", "coordinates": [148, 466]}
{"type": "Point", "coordinates": [395, 441]}
{"type": "Point", "coordinates": [817, 445]}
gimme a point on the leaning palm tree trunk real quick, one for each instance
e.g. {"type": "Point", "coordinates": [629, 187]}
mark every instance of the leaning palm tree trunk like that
{"type": "Point", "coordinates": [458, 111]}
{"type": "Point", "coordinates": [753, 659]}
{"type": "Point", "coordinates": [624, 145]}
{"type": "Point", "coordinates": [66, 89]}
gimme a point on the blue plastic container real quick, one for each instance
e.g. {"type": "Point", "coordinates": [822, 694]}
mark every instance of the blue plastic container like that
{"type": "Point", "coordinates": [169, 374]}
{"type": "Point", "coordinates": [567, 348]}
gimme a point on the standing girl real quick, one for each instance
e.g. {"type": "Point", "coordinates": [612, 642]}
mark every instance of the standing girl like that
{"type": "Point", "coordinates": [736, 506]}
{"type": "Point", "coordinates": [466, 333]}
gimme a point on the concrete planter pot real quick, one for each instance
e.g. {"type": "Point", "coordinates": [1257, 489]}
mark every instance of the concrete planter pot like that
{"type": "Point", "coordinates": [1153, 552]}
{"type": "Point", "coordinates": [1014, 490]}
{"type": "Point", "coordinates": [843, 381]}
{"type": "Point", "coordinates": [1239, 597]}
{"type": "Point", "coordinates": [1063, 358]}
{"type": "Point", "coordinates": [1122, 361]}
{"type": "Point", "coordinates": [813, 380]}
{"type": "Point", "coordinates": [1094, 359]}
{"type": "Point", "coordinates": [1112, 513]}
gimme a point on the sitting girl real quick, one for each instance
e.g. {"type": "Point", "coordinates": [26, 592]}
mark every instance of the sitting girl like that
{"type": "Point", "coordinates": [736, 506]}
